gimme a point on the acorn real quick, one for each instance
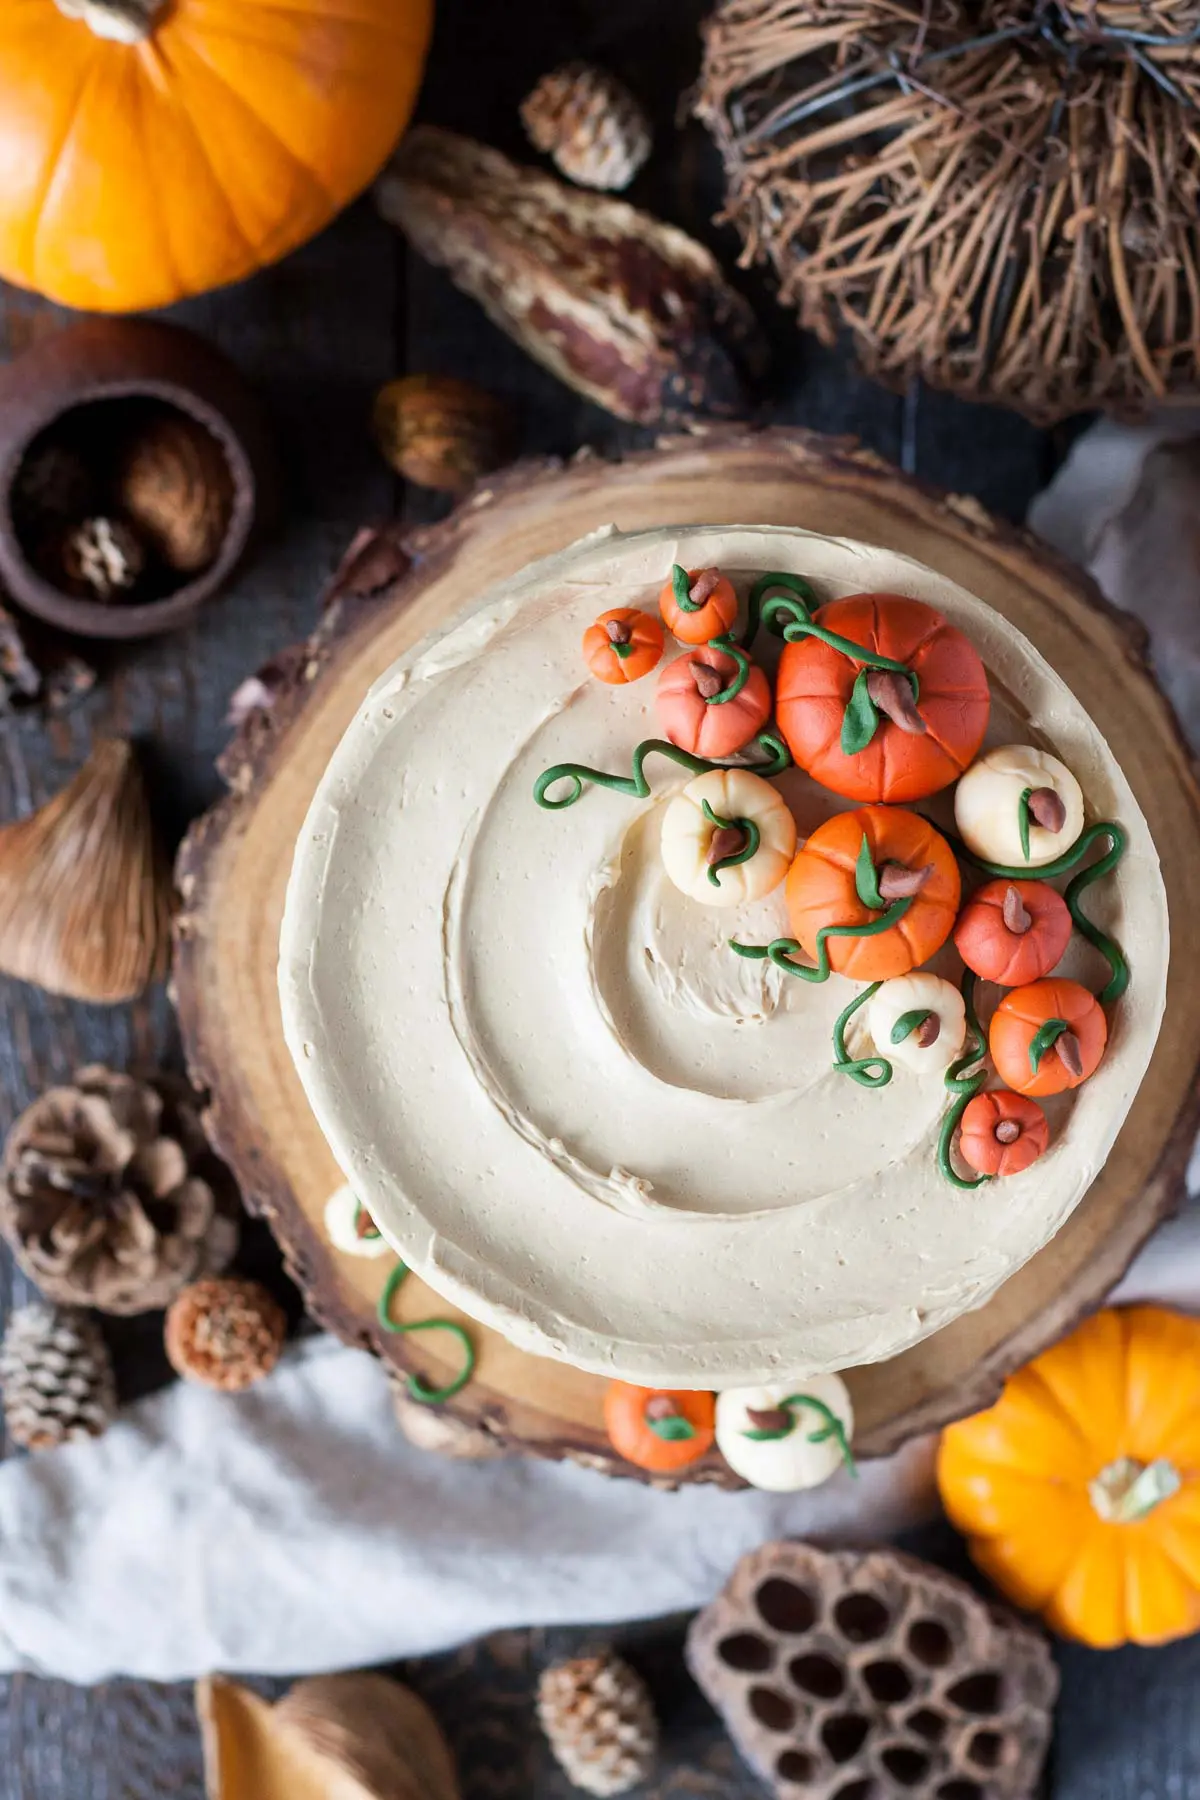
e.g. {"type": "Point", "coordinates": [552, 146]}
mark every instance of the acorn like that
{"type": "Point", "coordinates": [440, 432]}
{"type": "Point", "coordinates": [175, 486]}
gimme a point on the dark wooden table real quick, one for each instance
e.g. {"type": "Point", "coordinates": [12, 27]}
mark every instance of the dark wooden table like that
{"type": "Point", "coordinates": [318, 335]}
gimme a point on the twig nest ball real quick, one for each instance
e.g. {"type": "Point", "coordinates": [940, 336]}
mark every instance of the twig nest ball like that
{"type": "Point", "coordinates": [786, 1436]}
{"type": "Point", "coordinates": [1018, 807]}
{"type": "Point", "coordinates": [350, 1227]}
{"type": "Point", "coordinates": [1013, 932]}
{"type": "Point", "coordinates": [919, 1021]}
{"type": "Point", "coordinates": [718, 818]}
{"type": "Point", "coordinates": [1047, 1037]}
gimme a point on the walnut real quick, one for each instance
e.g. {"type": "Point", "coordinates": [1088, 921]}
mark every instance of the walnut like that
{"type": "Point", "coordinates": [440, 432]}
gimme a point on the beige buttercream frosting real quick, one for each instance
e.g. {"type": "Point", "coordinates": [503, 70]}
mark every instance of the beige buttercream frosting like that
{"type": "Point", "coordinates": [572, 1109]}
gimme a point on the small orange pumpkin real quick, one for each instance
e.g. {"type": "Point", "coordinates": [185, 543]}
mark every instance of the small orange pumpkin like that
{"type": "Point", "coordinates": [712, 612]}
{"type": "Point", "coordinates": [656, 1428]}
{"type": "Point", "coordinates": [822, 890]}
{"type": "Point", "coordinates": [1079, 1491]}
{"type": "Point", "coordinates": [1002, 1133]}
{"type": "Point", "coordinates": [697, 719]}
{"type": "Point", "coordinates": [1013, 932]}
{"type": "Point", "coordinates": [931, 744]}
{"type": "Point", "coordinates": [622, 645]}
{"type": "Point", "coordinates": [1047, 1037]}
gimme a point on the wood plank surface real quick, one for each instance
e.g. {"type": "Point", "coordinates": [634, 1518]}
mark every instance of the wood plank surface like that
{"type": "Point", "coordinates": [317, 335]}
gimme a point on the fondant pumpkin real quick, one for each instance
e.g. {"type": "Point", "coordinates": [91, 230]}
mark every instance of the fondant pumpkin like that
{"type": "Point", "coordinates": [711, 612]}
{"type": "Point", "coordinates": [823, 889]}
{"type": "Point", "coordinates": [918, 1021]}
{"type": "Point", "coordinates": [622, 645]}
{"type": "Point", "coordinates": [791, 1435]}
{"type": "Point", "coordinates": [1013, 932]}
{"type": "Point", "coordinates": [157, 148]}
{"type": "Point", "coordinates": [727, 837]}
{"type": "Point", "coordinates": [1079, 1491]}
{"type": "Point", "coordinates": [697, 718]}
{"type": "Point", "coordinates": [939, 730]}
{"type": "Point", "coordinates": [1018, 807]}
{"type": "Point", "coordinates": [1002, 1133]}
{"type": "Point", "coordinates": [1047, 1037]}
{"type": "Point", "coordinates": [658, 1429]}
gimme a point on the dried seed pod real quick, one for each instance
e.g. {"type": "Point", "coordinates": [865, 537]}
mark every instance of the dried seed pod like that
{"type": "Point", "coordinates": [98, 559]}
{"type": "Point", "coordinates": [85, 894]}
{"type": "Point", "coordinates": [440, 432]}
{"type": "Point", "coordinates": [590, 124]}
{"type": "Point", "coordinates": [176, 487]}
{"type": "Point", "coordinates": [630, 312]}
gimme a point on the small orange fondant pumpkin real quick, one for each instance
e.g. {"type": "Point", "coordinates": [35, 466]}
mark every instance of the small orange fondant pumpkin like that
{"type": "Point", "coordinates": [658, 1429]}
{"type": "Point", "coordinates": [157, 148]}
{"type": "Point", "coordinates": [913, 752]}
{"type": "Point", "coordinates": [1079, 1491]}
{"type": "Point", "coordinates": [715, 605]}
{"type": "Point", "coordinates": [823, 889]}
{"type": "Point", "coordinates": [622, 645]}
{"type": "Point", "coordinates": [1012, 932]}
{"type": "Point", "coordinates": [1047, 1037]}
{"type": "Point", "coordinates": [1002, 1133]}
{"type": "Point", "coordinates": [694, 717]}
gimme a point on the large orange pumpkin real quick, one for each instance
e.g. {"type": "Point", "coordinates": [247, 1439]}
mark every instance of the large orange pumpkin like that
{"type": "Point", "coordinates": [1079, 1491]}
{"type": "Point", "coordinates": [817, 684]}
{"type": "Point", "coordinates": [156, 148]}
{"type": "Point", "coordinates": [823, 890]}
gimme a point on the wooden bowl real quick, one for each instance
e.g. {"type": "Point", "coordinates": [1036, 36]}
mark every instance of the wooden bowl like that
{"type": "Point", "coordinates": [97, 362]}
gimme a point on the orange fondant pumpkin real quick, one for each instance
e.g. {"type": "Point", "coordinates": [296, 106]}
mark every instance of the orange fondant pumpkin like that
{"type": "Point", "coordinates": [658, 1429]}
{"type": "Point", "coordinates": [157, 148]}
{"type": "Point", "coordinates": [1013, 942]}
{"type": "Point", "coordinates": [715, 613]}
{"type": "Point", "coordinates": [1079, 1491]}
{"type": "Point", "coordinates": [822, 889]}
{"type": "Point", "coordinates": [816, 685]}
{"type": "Point", "coordinates": [1002, 1133]}
{"type": "Point", "coordinates": [622, 645]}
{"type": "Point", "coordinates": [1024, 1032]}
{"type": "Point", "coordinates": [710, 727]}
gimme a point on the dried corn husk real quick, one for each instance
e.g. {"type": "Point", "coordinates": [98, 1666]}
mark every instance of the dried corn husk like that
{"type": "Point", "coordinates": [85, 894]}
{"type": "Point", "coordinates": [335, 1737]}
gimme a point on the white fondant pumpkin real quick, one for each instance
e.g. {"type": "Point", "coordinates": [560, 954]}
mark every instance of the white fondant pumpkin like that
{"type": "Point", "coordinates": [688, 834]}
{"type": "Point", "coordinates": [988, 806]}
{"type": "Point", "coordinates": [907, 994]}
{"type": "Point", "coordinates": [807, 1453]}
{"type": "Point", "coordinates": [341, 1227]}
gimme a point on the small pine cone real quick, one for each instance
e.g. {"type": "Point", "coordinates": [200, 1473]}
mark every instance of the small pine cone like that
{"type": "Point", "coordinates": [56, 1377]}
{"type": "Point", "coordinates": [111, 1196]}
{"type": "Point", "coordinates": [224, 1333]}
{"type": "Point", "coordinates": [599, 1719]}
{"type": "Point", "coordinates": [590, 124]}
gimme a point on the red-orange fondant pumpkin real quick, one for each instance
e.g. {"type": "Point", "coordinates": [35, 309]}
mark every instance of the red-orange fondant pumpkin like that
{"type": "Point", "coordinates": [1002, 1133]}
{"type": "Point", "coordinates": [658, 1429]}
{"type": "Point", "coordinates": [622, 645]}
{"type": "Point", "coordinates": [714, 614]}
{"type": "Point", "coordinates": [817, 683]}
{"type": "Point", "coordinates": [1031, 1055]}
{"type": "Point", "coordinates": [1013, 941]}
{"type": "Point", "coordinates": [822, 889]}
{"type": "Point", "coordinates": [708, 726]}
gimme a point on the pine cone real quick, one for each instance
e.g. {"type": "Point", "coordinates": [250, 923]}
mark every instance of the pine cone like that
{"type": "Point", "coordinates": [599, 1719]}
{"type": "Point", "coordinates": [590, 124]}
{"type": "Point", "coordinates": [111, 1196]}
{"type": "Point", "coordinates": [56, 1377]}
{"type": "Point", "coordinates": [226, 1334]}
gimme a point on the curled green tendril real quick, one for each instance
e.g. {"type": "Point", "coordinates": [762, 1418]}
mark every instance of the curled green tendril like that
{"type": "Point", "coordinates": [776, 578]}
{"type": "Point", "coordinates": [1023, 821]}
{"type": "Point", "coordinates": [801, 626]}
{"type": "Point", "coordinates": [1108, 947]}
{"type": "Point", "coordinates": [858, 1069]}
{"type": "Point", "coordinates": [778, 758]}
{"type": "Point", "coordinates": [963, 1087]}
{"type": "Point", "coordinates": [782, 950]}
{"type": "Point", "coordinates": [417, 1389]}
{"type": "Point", "coordinates": [726, 644]}
{"type": "Point", "coordinates": [833, 1428]}
{"type": "Point", "coordinates": [753, 840]}
{"type": "Point", "coordinates": [681, 588]}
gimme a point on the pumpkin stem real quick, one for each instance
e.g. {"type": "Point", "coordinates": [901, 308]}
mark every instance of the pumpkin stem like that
{"type": "Point", "coordinates": [1128, 1490]}
{"type": "Point", "coordinates": [123, 21]}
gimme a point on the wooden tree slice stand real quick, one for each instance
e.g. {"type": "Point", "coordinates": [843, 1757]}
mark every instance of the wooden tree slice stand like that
{"type": "Point", "coordinates": [234, 866]}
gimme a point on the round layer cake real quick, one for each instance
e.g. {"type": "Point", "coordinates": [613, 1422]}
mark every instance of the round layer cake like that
{"type": "Point", "coordinates": [592, 1092]}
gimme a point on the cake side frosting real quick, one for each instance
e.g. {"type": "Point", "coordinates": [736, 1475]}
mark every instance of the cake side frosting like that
{"type": "Point", "coordinates": [558, 1093]}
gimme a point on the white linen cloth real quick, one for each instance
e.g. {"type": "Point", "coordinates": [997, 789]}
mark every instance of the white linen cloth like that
{"type": "Point", "coordinates": [293, 1528]}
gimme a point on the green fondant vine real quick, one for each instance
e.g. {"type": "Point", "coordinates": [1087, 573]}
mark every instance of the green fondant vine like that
{"type": "Point", "coordinates": [963, 1088]}
{"type": "Point", "coordinates": [777, 758]}
{"type": "Point", "coordinates": [868, 1071]}
{"type": "Point", "coordinates": [417, 1389]}
{"type": "Point", "coordinates": [781, 950]}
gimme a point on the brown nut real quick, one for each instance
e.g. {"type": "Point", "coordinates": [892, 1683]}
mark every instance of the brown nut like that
{"type": "Point", "coordinates": [440, 432]}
